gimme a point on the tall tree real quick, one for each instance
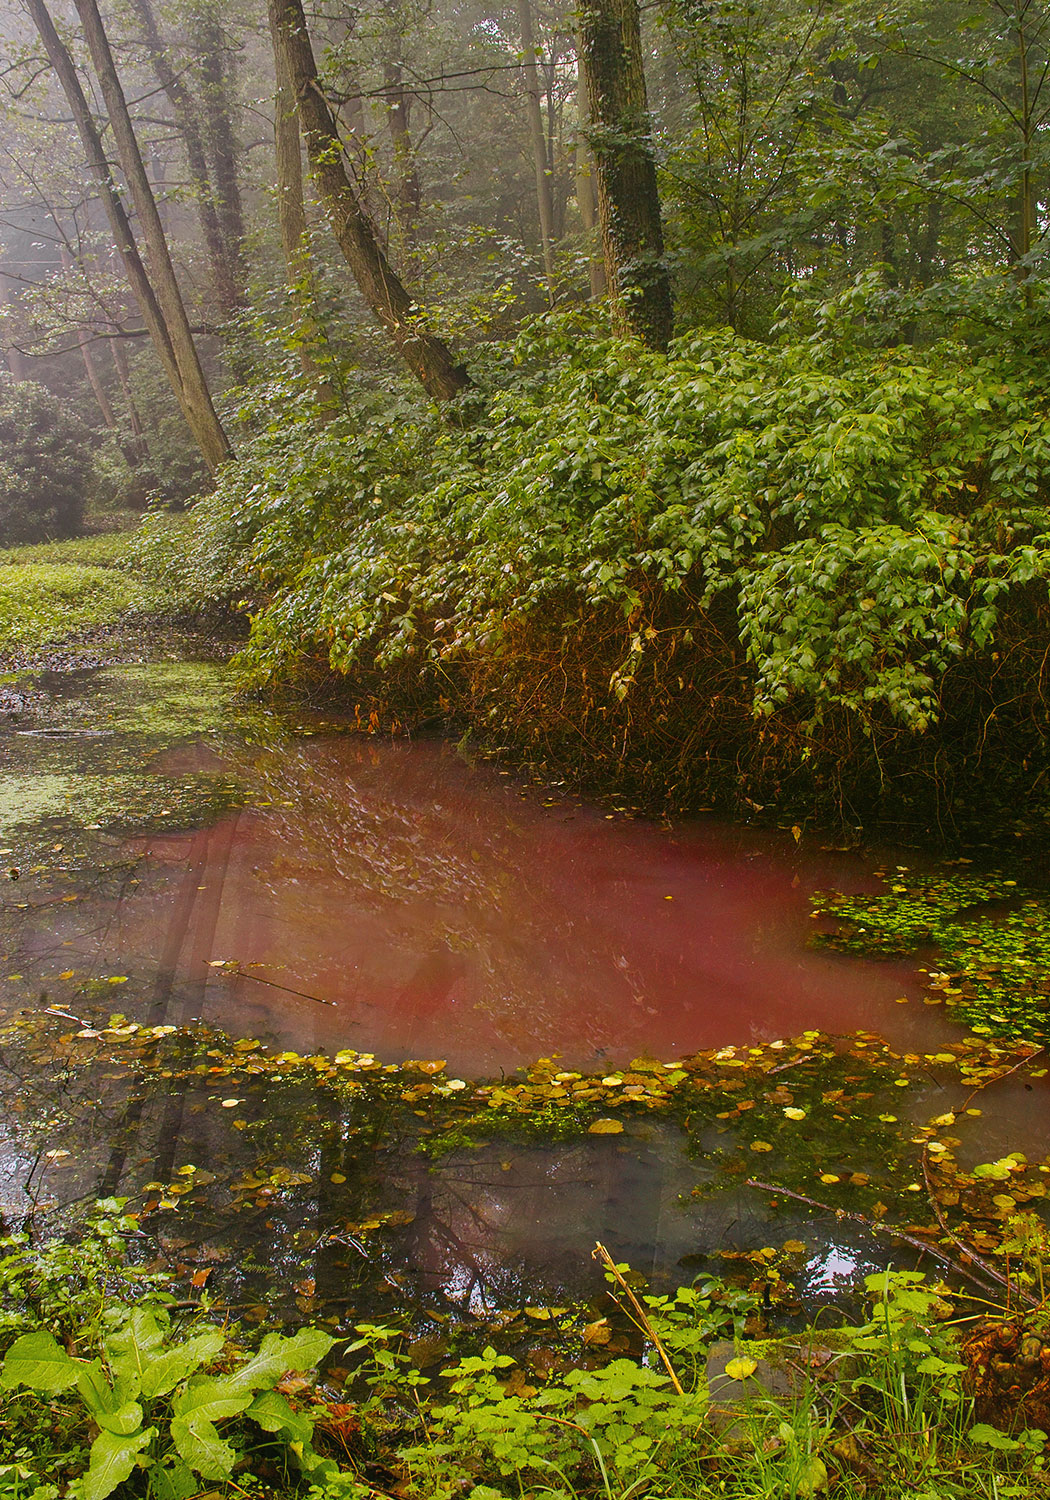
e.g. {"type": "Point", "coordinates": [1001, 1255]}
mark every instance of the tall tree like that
{"type": "Point", "coordinates": [223, 258]}
{"type": "Point", "coordinates": [174, 344]}
{"type": "Point", "coordinates": [195, 395]}
{"type": "Point", "coordinates": [429, 359]}
{"type": "Point", "coordinates": [538, 139]}
{"type": "Point", "coordinates": [628, 197]}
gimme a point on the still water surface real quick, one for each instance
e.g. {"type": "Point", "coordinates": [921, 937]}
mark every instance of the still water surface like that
{"type": "Point", "coordinates": [183, 857]}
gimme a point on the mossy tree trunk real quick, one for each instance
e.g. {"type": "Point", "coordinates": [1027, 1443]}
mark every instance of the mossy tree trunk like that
{"type": "Point", "coordinates": [429, 359]}
{"type": "Point", "coordinates": [628, 197]}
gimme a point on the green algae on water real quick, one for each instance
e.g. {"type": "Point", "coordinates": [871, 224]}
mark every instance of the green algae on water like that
{"type": "Point", "coordinates": [992, 939]}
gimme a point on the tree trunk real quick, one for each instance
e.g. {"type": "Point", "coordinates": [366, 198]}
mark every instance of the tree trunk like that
{"type": "Point", "coordinates": [425, 355]}
{"type": "Point", "coordinates": [141, 285]}
{"type": "Point", "coordinates": [291, 219]}
{"type": "Point", "coordinates": [398, 105]}
{"type": "Point", "coordinates": [219, 136]}
{"type": "Point", "coordinates": [628, 198]}
{"type": "Point", "coordinates": [137, 443]}
{"type": "Point", "coordinates": [227, 282]}
{"type": "Point", "coordinates": [194, 396]}
{"type": "Point", "coordinates": [587, 204]}
{"type": "Point", "coordinates": [13, 357]}
{"type": "Point", "coordinates": [540, 159]}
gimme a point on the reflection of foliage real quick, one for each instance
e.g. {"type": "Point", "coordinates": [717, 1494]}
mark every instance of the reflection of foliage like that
{"type": "Point", "coordinates": [994, 958]}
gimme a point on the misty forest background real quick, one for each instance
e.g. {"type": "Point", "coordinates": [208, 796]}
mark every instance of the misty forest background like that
{"type": "Point", "coordinates": [659, 391]}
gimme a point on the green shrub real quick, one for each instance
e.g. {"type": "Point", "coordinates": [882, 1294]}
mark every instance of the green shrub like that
{"type": "Point", "coordinates": [820, 543]}
{"type": "Point", "coordinates": [45, 465]}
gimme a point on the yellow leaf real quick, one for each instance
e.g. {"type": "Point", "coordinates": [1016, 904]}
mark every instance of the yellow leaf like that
{"type": "Point", "coordinates": [761, 1146]}
{"type": "Point", "coordinates": [795, 1114]}
{"type": "Point", "coordinates": [605, 1127]}
{"type": "Point", "coordinates": [67, 975]}
{"type": "Point", "coordinates": [740, 1368]}
{"type": "Point", "coordinates": [829, 1177]}
{"type": "Point", "coordinates": [337, 1177]}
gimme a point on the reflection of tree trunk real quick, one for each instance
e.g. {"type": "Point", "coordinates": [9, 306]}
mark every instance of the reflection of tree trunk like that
{"type": "Point", "coordinates": [426, 356]}
{"type": "Point", "coordinates": [588, 207]}
{"type": "Point", "coordinates": [192, 388]}
{"type": "Point", "coordinates": [541, 162]}
{"type": "Point", "coordinates": [628, 198]}
{"type": "Point", "coordinates": [141, 285]}
{"type": "Point", "coordinates": [228, 288]}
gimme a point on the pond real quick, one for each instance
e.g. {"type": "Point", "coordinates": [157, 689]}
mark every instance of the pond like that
{"type": "Point", "coordinates": [201, 866]}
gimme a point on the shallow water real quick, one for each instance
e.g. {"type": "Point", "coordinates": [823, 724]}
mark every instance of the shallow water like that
{"type": "Point", "coordinates": [183, 857]}
{"type": "Point", "coordinates": [331, 891]}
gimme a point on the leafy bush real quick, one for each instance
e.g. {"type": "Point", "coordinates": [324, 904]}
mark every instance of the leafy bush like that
{"type": "Point", "coordinates": [122, 1390]}
{"type": "Point", "coordinates": [810, 534]}
{"type": "Point", "coordinates": [45, 465]}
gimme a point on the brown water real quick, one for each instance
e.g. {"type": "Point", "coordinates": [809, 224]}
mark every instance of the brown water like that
{"type": "Point", "coordinates": [392, 898]}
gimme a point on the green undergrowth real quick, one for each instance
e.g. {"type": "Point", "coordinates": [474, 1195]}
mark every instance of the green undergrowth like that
{"type": "Point", "coordinates": [50, 591]}
{"type": "Point", "coordinates": [114, 1387]}
{"type": "Point", "coordinates": [775, 570]}
{"type": "Point", "coordinates": [992, 939]}
{"type": "Point", "coordinates": [43, 603]}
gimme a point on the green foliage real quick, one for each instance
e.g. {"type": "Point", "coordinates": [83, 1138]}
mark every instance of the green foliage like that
{"type": "Point", "coordinates": [992, 939]}
{"type": "Point", "coordinates": [870, 520]}
{"type": "Point", "coordinates": [44, 602]}
{"type": "Point", "coordinates": [44, 465]}
{"type": "Point", "coordinates": [175, 1407]}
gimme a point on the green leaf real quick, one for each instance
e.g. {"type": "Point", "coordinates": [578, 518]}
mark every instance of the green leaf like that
{"type": "Point", "coordinates": [278, 1354]}
{"type": "Point", "coordinates": [172, 1481]}
{"type": "Point", "coordinates": [201, 1446]}
{"type": "Point", "coordinates": [113, 1407]}
{"type": "Point", "coordinates": [112, 1460]}
{"type": "Point", "coordinates": [164, 1371]}
{"type": "Point", "coordinates": [210, 1400]}
{"type": "Point", "coordinates": [273, 1414]}
{"type": "Point", "coordinates": [38, 1361]}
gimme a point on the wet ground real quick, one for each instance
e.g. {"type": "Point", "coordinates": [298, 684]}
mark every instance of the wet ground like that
{"type": "Point", "coordinates": [188, 860]}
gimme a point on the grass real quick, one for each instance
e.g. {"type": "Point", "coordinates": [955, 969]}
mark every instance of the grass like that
{"type": "Point", "coordinates": [50, 591]}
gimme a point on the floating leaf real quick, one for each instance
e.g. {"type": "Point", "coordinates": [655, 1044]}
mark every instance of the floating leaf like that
{"type": "Point", "coordinates": [605, 1127]}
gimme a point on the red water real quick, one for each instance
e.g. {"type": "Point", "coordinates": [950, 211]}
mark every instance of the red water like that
{"type": "Point", "coordinates": [443, 911]}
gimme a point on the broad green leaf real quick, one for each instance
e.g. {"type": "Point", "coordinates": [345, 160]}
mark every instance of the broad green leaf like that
{"type": "Point", "coordinates": [113, 1407]}
{"type": "Point", "coordinates": [273, 1414]}
{"type": "Point", "coordinates": [201, 1446]}
{"type": "Point", "coordinates": [278, 1354]}
{"type": "Point", "coordinates": [112, 1460]}
{"type": "Point", "coordinates": [39, 1361]}
{"type": "Point", "coordinates": [172, 1481]}
{"type": "Point", "coordinates": [210, 1400]}
{"type": "Point", "coordinates": [140, 1332]}
{"type": "Point", "coordinates": [165, 1370]}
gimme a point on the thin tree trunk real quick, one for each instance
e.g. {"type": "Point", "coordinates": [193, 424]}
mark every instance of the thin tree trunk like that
{"type": "Point", "coordinates": [193, 388]}
{"type": "Point", "coordinates": [141, 285]}
{"type": "Point", "coordinates": [398, 109]}
{"type": "Point", "coordinates": [219, 136]}
{"type": "Point", "coordinates": [14, 358]}
{"type": "Point", "coordinates": [587, 204]}
{"type": "Point", "coordinates": [228, 285]}
{"type": "Point", "coordinates": [291, 219]}
{"type": "Point", "coordinates": [138, 443]}
{"type": "Point", "coordinates": [426, 356]}
{"type": "Point", "coordinates": [628, 198]}
{"type": "Point", "coordinates": [538, 140]}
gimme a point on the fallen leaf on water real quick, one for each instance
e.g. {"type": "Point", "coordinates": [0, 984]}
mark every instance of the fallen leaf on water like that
{"type": "Point", "coordinates": [605, 1127]}
{"type": "Point", "coordinates": [761, 1146]}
